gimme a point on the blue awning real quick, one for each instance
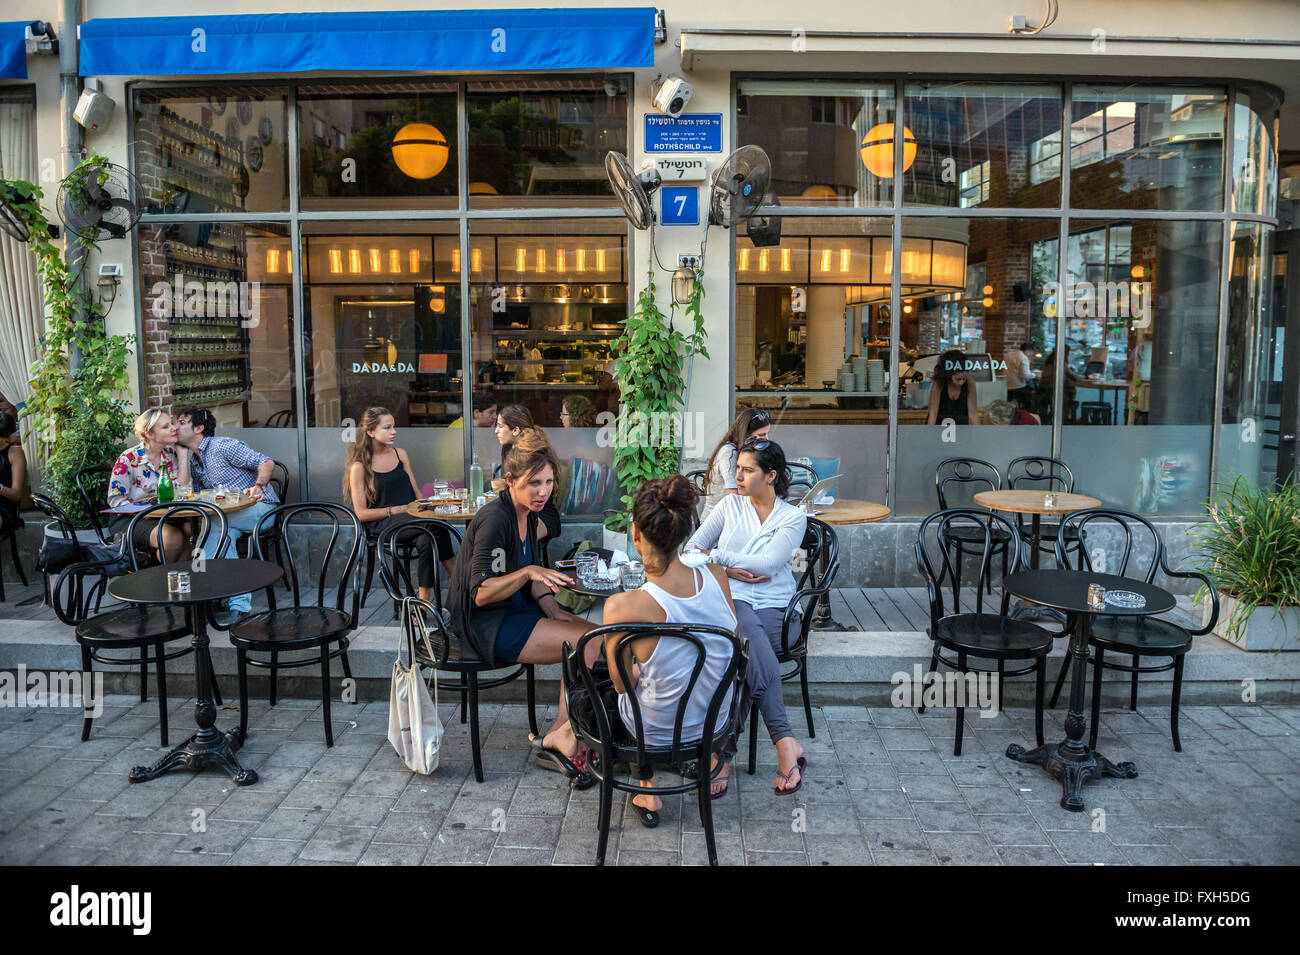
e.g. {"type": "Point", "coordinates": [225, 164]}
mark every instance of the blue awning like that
{"type": "Point", "coordinates": [13, 49]}
{"type": "Point", "coordinates": [578, 38]}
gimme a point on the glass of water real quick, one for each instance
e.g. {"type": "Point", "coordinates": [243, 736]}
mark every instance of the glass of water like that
{"type": "Point", "coordinates": [632, 574]}
{"type": "Point", "coordinates": [586, 567]}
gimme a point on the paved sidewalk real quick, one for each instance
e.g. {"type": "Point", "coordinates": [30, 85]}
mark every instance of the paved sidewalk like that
{"type": "Point", "coordinates": [883, 788]}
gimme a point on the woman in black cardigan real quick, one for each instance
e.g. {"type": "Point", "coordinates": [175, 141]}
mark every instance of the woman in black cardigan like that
{"type": "Point", "coordinates": [502, 598]}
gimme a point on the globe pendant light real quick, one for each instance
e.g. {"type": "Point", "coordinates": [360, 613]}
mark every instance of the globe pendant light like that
{"type": "Point", "coordinates": [420, 150]}
{"type": "Point", "coordinates": [878, 150]}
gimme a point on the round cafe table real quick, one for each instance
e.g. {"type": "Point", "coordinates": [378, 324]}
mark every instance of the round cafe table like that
{"type": "Point", "coordinates": [427, 508]}
{"type": "Point", "coordinates": [843, 511]}
{"type": "Point", "coordinates": [232, 504]}
{"type": "Point", "coordinates": [1070, 761]}
{"type": "Point", "coordinates": [220, 578]}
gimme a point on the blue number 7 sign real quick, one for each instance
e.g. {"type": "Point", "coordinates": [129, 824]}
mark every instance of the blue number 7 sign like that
{"type": "Point", "coordinates": [680, 205]}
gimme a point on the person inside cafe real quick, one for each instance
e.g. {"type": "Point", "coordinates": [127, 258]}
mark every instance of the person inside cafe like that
{"type": "Point", "coordinates": [379, 483]}
{"type": "Point", "coordinates": [754, 534]}
{"type": "Point", "coordinates": [952, 396]}
{"type": "Point", "coordinates": [134, 481]}
{"type": "Point", "coordinates": [512, 421]}
{"type": "Point", "coordinates": [1072, 380]}
{"type": "Point", "coordinates": [720, 472]}
{"type": "Point", "coordinates": [662, 513]}
{"type": "Point", "coordinates": [1004, 412]}
{"type": "Point", "coordinates": [1020, 378]}
{"type": "Point", "coordinates": [13, 471]}
{"type": "Point", "coordinates": [576, 412]}
{"type": "Point", "coordinates": [501, 598]}
{"type": "Point", "coordinates": [219, 460]}
{"type": "Point", "coordinates": [483, 409]}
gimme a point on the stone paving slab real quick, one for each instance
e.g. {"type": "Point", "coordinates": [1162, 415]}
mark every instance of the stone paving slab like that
{"type": "Point", "coordinates": [883, 788]}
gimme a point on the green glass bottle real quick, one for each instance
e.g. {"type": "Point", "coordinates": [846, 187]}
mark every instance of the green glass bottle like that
{"type": "Point", "coordinates": [166, 491]}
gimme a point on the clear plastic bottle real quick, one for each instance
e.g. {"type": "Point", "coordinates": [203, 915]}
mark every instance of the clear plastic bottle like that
{"type": "Point", "coordinates": [475, 478]}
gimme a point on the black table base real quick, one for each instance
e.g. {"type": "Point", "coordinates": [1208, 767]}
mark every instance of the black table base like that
{"type": "Point", "coordinates": [209, 746]}
{"type": "Point", "coordinates": [1071, 769]}
{"type": "Point", "coordinates": [196, 754]}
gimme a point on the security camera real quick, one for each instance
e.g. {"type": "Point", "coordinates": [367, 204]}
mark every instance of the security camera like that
{"type": "Point", "coordinates": [612, 89]}
{"type": "Point", "coordinates": [670, 94]}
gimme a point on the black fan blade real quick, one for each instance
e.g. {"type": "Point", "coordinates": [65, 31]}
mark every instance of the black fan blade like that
{"type": "Point", "coordinates": [12, 224]}
{"type": "Point", "coordinates": [87, 219]}
{"type": "Point", "coordinates": [630, 190]}
{"type": "Point", "coordinates": [126, 204]}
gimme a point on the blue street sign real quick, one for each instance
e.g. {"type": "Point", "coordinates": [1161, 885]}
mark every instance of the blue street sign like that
{"type": "Point", "coordinates": [680, 205]}
{"type": "Point", "coordinates": [688, 133]}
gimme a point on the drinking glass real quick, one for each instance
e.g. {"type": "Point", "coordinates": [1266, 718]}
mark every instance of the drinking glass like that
{"type": "Point", "coordinates": [586, 567]}
{"type": "Point", "coordinates": [632, 574]}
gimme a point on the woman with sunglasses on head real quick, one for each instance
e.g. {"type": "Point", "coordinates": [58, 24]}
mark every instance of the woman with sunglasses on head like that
{"type": "Point", "coordinates": [754, 534]}
{"type": "Point", "coordinates": [720, 473]}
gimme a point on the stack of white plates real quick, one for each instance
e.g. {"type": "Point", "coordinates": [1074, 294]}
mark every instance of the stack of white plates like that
{"type": "Point", "coordinates": [875, 375]}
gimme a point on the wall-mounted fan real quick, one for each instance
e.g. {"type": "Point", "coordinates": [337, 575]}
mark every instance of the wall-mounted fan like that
{"type": "Point", "coordinates": [739, 186]}
{"type": "Point", "coordinates": [633, 190]}
{"type": "Point", "coordinates": [99, 203]}
{"type": "Point", "coordinates": [765, 230]}
{"type": "Point", "coordinates": [11, 224]}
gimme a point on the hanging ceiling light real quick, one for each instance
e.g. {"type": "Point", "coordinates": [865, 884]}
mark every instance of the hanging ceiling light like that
{"type": "Point", "coordinates": [878, 150]}
{"type": "Point", "coordinates": [420, 150]}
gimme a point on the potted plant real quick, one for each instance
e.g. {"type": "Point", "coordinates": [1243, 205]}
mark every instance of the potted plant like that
{"type": "Point", "coordinates": [652, 396]}
{"type": "Point", "coordinates": [1251, 550]}
{"type": "Point", "coordinates": [79, 415]}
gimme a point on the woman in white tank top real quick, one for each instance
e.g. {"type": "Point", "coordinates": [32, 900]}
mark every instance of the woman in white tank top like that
{"type": "Point", "coordinates": [674, 593]}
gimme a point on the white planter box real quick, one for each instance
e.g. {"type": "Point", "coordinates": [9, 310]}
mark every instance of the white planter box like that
{"type": "Point", "coordinates": [1267, 629]}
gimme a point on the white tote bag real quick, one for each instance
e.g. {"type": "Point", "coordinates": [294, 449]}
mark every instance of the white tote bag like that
{"type": "Point", "coordinates": [413, 725]}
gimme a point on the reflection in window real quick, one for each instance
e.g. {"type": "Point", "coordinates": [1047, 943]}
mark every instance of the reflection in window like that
{"type": "Point", "coordinates": [211, 149]}
{"type": "Point", "coordinates": [398, 151]}
{"type": "Point", "coordinates": [1143, 148]}
{"type": "Point", "coordinates": [544, 139]}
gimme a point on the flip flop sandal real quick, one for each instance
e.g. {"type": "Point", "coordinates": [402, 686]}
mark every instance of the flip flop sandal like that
{"type": "Point", "coordinates": [802, 766]}
{"type": "Point", "coordinates": [649, 817]}
{"type": "Point", "coordinates": [726, 785]}
{"type": "Point", "coordinates": [556, 762]}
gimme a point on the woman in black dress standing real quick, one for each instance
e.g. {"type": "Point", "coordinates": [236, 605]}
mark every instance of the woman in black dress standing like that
{"type": "Point", "coordinates": [952, 396]}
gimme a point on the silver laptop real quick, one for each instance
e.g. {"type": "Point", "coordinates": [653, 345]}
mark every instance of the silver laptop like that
{"type": "Point", "coordinates": [821, 487]}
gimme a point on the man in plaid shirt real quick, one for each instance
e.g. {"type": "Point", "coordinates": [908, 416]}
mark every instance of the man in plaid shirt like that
{"type": "Point", "coordinates": [221, 460]}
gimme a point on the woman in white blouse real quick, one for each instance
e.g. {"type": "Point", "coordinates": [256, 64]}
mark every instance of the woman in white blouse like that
{"type": "Point", "coordinates": [752, 424]}
{"type": "Point", "coordinates": [754, 534]}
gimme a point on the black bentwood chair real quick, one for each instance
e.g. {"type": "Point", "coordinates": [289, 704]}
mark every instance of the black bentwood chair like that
{"type": "Point", "coordinates": [984, 636]}
{"type": "Point", "coordinates": [967, 477]}
{"type": "Point", "coordinates": [92, 485]}
{"type": "Point", "coordinates": [449, 650]}
{"type": "Point", "coordinates": [812, 583]}
{"type": "Point", "coordinates": [1037, 472]}
{"type": "Point", "coordinates": [1133, 636]}
{"type": "Point", "coordinates": [302, 627]}
{"type": "Point", "coordinates": [605, 733]}
{"type": "Point", "coordinates": [78, 593]}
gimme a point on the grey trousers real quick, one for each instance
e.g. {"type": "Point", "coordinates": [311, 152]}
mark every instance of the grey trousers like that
{"type": "Point", "coordinates": [762, 628]}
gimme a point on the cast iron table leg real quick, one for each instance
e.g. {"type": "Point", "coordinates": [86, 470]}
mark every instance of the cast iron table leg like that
{"type": "Point", "coordinates": [209, 746]}
{"type": "Point", "coordinates": [822, 619]}
{"type": "Point", "coordinates": [1071, 761]}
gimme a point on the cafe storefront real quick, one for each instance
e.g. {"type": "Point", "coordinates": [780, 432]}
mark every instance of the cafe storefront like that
{"type": "Point", "coordinates": [321, 238]}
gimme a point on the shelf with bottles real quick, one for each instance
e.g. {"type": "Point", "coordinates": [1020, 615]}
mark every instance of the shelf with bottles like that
{"type": "Point", "coordinates": [213, 380]}
{"type": "Point", "coordinates": [174, 126]}
{"type": "Point", "coordinates": [228, 258]}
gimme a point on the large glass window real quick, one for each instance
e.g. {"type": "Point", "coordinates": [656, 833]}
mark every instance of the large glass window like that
{"type": "Point", "coordinates": [207, 149]}
{"type": "Point", "coordinates": [831, 143]}
{"type": "Point", "coordinates": [982, 145]}
{"type": "Point", "coordinates": [219, 329]}
{"type": "Point", "coordinates": [382, 329]}
{"type": "Point", "coordinates": [1136, 147]}
{"type": "Point", "coordinates": [1254, 153]}
{"type": "Point", "coordinates": [1139, 360]}
{"type": "Point", "coordinates": [383, 146]}
{"type": "Point", "coordinates": [962, 345]}
{"type": "Point", "coordinates": [543, 142]}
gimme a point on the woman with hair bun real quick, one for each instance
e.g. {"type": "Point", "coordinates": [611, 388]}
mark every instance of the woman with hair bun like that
{"type": "Point", "coordinates": [674, 593]}
{"type": "Point", "coordinates": [502, 599]}
{"type": "Point", "coordinates": [512, 421]}
{"type": "Point", "coordinates": [754, 534]}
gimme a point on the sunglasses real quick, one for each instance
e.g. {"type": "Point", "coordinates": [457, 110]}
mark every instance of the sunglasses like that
{"type": "Point", "coordinates": [761, 418]}
{"type": "Point", "coordinates": [756, 445]}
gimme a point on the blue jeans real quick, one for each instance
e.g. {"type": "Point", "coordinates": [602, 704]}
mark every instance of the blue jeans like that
{"type": "Point", "coordinates": [237, 525]}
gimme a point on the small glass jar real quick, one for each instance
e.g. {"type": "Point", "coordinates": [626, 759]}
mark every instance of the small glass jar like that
{"type": "Point", "coordinates": [1096, 597]}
